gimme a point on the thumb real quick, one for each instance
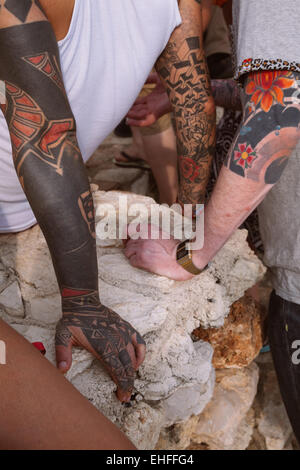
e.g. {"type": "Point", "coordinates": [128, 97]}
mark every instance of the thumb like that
{"type": "Point", "coordinates": [63, 346]}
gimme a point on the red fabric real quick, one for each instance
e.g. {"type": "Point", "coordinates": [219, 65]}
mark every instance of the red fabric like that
{"type": "Point", "coordinates": [40, 347]}
{"type": "Point", "coordinates": [220, 2]}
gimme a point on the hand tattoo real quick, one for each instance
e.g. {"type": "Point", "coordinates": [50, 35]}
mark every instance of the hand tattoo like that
{"type": "Point", "coordinates": [105, 333]}
{"type": "Point", "coordinates": [51, 170]}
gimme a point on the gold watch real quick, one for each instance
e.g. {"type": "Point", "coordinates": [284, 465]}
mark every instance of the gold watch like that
{"type": "Point", "coordinates": [184, 258]}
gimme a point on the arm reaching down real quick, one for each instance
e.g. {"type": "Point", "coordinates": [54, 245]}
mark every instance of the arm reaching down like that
{"type": "Point", "coordinates": [52, 173]}
{"type": "Point", "coordinates": [268, 135]}
{"type": "Point", "coordinates": [183, 70]}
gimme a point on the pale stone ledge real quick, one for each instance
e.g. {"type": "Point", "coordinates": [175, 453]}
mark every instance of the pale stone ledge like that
{"type": "Point", "coordinates": [177, 378]}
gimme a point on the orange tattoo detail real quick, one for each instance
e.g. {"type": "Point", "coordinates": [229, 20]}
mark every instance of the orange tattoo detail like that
{"type": "Point", "coordinates": [266, 87]}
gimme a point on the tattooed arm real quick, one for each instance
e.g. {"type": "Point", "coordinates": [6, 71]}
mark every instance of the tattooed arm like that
{"type": "Point", "coordinates": [269, 133]}
{"type": "Point", "coordinates": [183, 70]}
{"type": "Point", "coordinates": [51, 170]}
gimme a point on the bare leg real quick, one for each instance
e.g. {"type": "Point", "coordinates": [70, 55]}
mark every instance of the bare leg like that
{"type": "Point", "coordinates": [40, 409]}
{"type": "Point", "coordinates": [161, 155]}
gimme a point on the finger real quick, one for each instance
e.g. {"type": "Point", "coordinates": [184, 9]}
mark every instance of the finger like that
{"type": "Point", "coordinates": [140, 349]}
{"type": "Point", "coordinates": [140, 100]}
{"type": "Point", "coordinates": [128, 358]}
{"type": "Point", "coordinates": [138, 112]}
{"type": "Point", "coordinates": [141, 123]}
{"type": "Point", "coordinates": [131, 351]}
{"type": "Point", "coordinates": [153, 78]}
{"type": "Point", "coordinates": [135, 261]}
{"type": "Point", "coordinates": [125, 382]}
{"type": "Point", "coordinates": [121, 375]}
{"type": "Point", "coordinates": [130, 249]}
{"type": "Point", "coordinates": [63, 348]}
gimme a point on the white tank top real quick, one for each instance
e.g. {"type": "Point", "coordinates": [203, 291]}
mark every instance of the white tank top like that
{"type": "Point", "coordinates": [106, 57]}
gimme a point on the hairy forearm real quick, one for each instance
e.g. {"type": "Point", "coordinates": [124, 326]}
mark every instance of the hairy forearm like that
{"type": "Point", "coordinates": [227, 94]}
{"type": "Point", "coordinates": [268, 135]}
{"type": "Point", "coordinates": [45, 150]}
{"type": "Point", "coordinates": [182, 68]}
{"type": "Point", "coordinates": [233, 199]}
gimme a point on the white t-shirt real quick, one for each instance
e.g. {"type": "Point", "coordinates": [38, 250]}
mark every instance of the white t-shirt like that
{"type": "Point", "coordinates": [106, 57]}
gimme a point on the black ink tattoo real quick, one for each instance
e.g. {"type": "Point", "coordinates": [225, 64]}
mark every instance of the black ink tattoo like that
{"type": "Point", "coordinates": [21, 8]}
{"type": "Point", "coordinates": [51, 170]}
{"type": "Point", "coordinates": [105, 333]}
{"type": "Point", "coordinates": [183, 70]}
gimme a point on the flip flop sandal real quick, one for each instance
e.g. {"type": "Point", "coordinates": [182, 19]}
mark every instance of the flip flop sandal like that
{"type": "Point", "coordinates": [131, 162]}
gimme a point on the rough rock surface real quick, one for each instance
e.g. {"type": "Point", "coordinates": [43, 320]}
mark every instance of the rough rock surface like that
{"type": "Point", "coordinates": [177, 377]}
{"type": "Point", "coordinates": [227, 421]}
{"type": "Point", "coordinates": [224, 424]}
{"type": "Point", "coordinates": [238, 342]}
{"type": "Point", "coordinates": [272, 427]}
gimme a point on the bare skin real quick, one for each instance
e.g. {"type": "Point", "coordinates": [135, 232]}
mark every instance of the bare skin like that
{"type": "Point", "coordinates": [269, 133]}
{"type": "Point", "coordinates": [161, 155]}
{"type": "Point", "coordinates": [187, 82]}
{"type": "Point", "coordinates": [41, 410]}
{"type": "Point", "coordinates": [51, 171]}
{"type": "Point", "coordinates": [59, 14]}
{"type": "Point", "coordinates": [189, 97]}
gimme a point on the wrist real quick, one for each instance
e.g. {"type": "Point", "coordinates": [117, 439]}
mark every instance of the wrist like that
{"type": "Point", "coordinates": [187, 259]}
{"type": "Point", "coordinates": [200, 259]}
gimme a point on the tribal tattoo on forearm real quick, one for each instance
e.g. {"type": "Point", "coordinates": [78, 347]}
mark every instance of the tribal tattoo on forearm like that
{"type": "Point", "coordinates": [184, 72]}
{"type": "Point", "coordinates": [270, 129]}
{"type": "Point", "coordinates": [19, 9]}
{"type": "Point", "coordinates": [49, 165]}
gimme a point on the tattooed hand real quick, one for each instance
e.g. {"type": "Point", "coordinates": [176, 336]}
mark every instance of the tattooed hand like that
{"type": "Point", "coordinates": [52, 173]}
{"type": "Point", "coordinates": [88, 324]}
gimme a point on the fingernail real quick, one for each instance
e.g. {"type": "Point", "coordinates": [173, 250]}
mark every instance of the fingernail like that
{"type": "Point", "coordinates": [62, 365]}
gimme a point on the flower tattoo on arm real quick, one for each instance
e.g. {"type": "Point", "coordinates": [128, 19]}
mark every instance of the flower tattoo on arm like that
{"type": "Point", "coordinates": [270, 127]}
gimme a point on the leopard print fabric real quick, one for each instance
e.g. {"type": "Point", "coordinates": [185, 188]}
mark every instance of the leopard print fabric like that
{"type": "Point", "coordinates": [252, 65]}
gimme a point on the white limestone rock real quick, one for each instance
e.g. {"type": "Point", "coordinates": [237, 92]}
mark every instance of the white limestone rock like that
{"type": "Point", "coordinates": [27, 254]}
{"type": "Point", "coordinates": [177, 377]}
{"type": "Point", "coordinates": [4, 277]}
{"type": "Point", "coordinates": [11, 300]}
{"type": "Point", "coordinates": [223, 419]}
{"type": "Point", "coordinates": [45, 309]}
{"type": "Point", "coordinates": [142, 312]}
{"type": "Point", "coordinates": [142, 425]}
{"type": "Point", "coordinates": [272, 419]}
{"type": "Point", "coordinates": [95, 384]}
{"type": "Point", "coordinates": [188, 400]}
